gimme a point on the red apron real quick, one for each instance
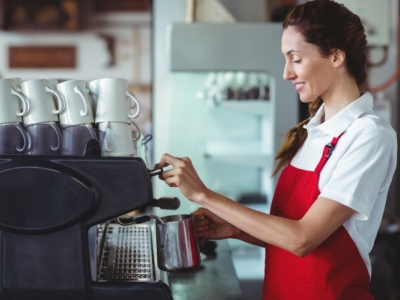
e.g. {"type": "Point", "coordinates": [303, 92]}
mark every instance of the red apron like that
{"type": "Point", "coordinates": [334, 270]}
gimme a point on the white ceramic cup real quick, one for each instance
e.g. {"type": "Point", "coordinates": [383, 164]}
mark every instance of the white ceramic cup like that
{"type": "Point", "coordinates": [78, 108]}
{"type": "Point", "coordinates": [42, 106]}
{"type": "Point", "coordinates": [44, 139]}
{"type": "Point", "coordinates": [114, 101]}
{"type": "Point", "coordinates": [17, 82]}
{"type": "Point", "coordinates": [13, 104]}
{"type": "Point", "coordinates": [93, 88]}
{"type": "Point", "coordinates": [118, 139]}
{"type": "Point", "coordinates": [76, 137]}
{"type": "Point", "coordinates": [13, 139]}
{"type": "Point", "coordinates": [52, 82]}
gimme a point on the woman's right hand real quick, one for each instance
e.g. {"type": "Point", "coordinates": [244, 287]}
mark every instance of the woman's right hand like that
{"type": "Point", "coordinates": [212, 226]}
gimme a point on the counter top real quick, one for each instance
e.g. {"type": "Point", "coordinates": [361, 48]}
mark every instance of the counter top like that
{"type": "Point", "coordinates": [215, 278]}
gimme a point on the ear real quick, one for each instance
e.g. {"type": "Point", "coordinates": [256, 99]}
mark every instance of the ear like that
{"type": "Point", "coordinates": [338, 57]}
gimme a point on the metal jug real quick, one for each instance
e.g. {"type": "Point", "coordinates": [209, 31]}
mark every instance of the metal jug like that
{"type": "Point", "coordinates": [177, 246]}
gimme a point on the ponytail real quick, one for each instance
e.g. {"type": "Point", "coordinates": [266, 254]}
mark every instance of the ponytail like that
{"type": "Point", "coordinates": [294, 139]}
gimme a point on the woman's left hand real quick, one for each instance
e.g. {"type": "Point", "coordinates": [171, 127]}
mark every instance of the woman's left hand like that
{"type": "Point", "coordinates": [213, 227]}
{"type": "Point", "coordinates": [182, 175]}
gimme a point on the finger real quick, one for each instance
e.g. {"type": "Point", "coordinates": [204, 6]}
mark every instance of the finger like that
{"type": "Point", "coordinates": [200, 228]}
{"type": "Point", "coordinates": [166, 160]}
{"type": "Point", "coordinates": [162, 163]}
{"type": "Point", "coordinates": [198, 234]}
{"type": "Point", "coordinates": [171, 181]}
{"type": "Point", "coordinates": [197, 217]}
{"type": "Point", "coordinates": [200, 231]}
{"type": "Point", "coordinates": [201, 223]}
{"type": "Point", "coordinates": [199, 211]}
{"type": "Point", "coordinates": [171, 184]}
{"type": "Point", "coordinates": [206, 213]}
{"type": "Point", "coordinates": [168, 173]}
{"type": "Point", "coordinates": [186, 159]}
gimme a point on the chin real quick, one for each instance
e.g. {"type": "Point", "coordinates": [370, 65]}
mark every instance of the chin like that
{"type": "Point", "coordinates": [305, 99]}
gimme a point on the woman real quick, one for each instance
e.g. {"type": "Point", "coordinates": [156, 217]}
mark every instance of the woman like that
{"type": "Point", "coordinates": [336, 168]}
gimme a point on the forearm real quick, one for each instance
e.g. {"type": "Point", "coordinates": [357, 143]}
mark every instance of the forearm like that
{"type": "Point", "coordinates": [296, 236]}
{"type": "Point", "coordinates": [255, 227]}
{"type": "Point", "coordinates": [245, 237]}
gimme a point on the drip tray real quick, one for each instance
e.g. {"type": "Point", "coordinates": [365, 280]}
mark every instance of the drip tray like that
{"type": "Point", "coordinates": [127, 254]}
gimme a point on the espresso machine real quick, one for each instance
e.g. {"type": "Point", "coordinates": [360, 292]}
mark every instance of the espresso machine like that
{"type": "Point", "coordinates": [57, 235]}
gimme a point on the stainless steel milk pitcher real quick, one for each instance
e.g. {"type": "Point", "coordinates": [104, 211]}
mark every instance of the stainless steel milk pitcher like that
{"type": "Point", "coordinates": [177, 246]}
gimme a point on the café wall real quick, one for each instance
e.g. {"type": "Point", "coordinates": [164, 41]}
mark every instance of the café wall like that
{"type": "Point", "coordinates": [130, 33]}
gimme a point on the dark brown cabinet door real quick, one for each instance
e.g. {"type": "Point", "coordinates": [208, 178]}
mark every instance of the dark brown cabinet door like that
{"type": "Point", "coordinates": [121, 5]}
{"type": "Point", "coordinates": [65, 15]}
{"type": "Point", "coordinates": [33, 15]}
{"type": "Point", "coordinates": [42, 57]}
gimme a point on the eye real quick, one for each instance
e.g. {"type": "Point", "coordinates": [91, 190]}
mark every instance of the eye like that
{"type": "Point", "coordinates": [296, 61]}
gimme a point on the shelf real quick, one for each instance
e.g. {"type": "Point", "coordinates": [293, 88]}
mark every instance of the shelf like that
{"type": "Point", "coordinates": [257, 107]}
{"type": "Point", "coordinates": [248, 153]}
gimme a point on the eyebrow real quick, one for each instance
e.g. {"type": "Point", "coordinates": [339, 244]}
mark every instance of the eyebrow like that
{"type": "Point", "coordinates": [291, 51]}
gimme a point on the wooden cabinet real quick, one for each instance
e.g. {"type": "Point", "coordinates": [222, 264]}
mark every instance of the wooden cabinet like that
{"type": "Point", "coordinates": [60, 15]}
{"type": "Point", "coordinates": [121, 5]}
{"type": "Point", "coordinates": [42, 57]}
{"type": "Point", "coordinates": [44, 15]}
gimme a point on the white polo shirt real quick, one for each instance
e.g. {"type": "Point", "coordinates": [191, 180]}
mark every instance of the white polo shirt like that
{"type": "Point", "coordinates": [359, 172]}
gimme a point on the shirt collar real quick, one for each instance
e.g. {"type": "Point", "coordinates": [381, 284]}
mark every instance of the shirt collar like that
{"type": "Point", "coordinates": [339, 122]}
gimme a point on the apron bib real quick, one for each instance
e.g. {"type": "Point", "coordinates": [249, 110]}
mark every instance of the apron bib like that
{"type": "Point", "coordinates": [334, 270]}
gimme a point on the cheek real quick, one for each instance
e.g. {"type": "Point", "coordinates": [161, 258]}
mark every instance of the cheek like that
{"type": "Point", "coordinates": [315, 76]}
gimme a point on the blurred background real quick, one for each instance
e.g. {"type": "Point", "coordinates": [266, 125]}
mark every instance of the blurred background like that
{"type": "Point", "coordinates": [208, 75]}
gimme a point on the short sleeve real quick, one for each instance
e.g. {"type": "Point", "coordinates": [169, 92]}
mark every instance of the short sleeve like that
{"type": "Point", "coordinates": [363, 171]}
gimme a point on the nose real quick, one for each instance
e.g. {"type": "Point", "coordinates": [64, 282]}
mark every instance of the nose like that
{"type": "Point", "coordinates": [288, 73]}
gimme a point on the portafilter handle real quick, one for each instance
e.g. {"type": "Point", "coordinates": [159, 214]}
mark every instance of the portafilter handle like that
{"type": "Point", "coordinates": [166, 203]}
{"type": "Point", "coordinates": [156, 172]}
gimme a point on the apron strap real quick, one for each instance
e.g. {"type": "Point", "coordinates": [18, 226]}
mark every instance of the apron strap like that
{"type": "Point", "coordinates": [327, 153]}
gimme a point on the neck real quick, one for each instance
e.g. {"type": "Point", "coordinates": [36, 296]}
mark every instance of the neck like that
{"type": "Point", "coordinates": [341, 96]}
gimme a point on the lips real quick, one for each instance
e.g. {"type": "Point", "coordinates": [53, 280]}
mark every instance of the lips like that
{"type": "Point", "coordinates": [299, 86]}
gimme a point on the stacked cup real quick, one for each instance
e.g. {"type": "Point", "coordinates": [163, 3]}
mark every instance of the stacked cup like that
{"type": "Point", "coordinates": [41, 122]}
{"type": "Point", "coordinates": [77, 119]}
{"type": "Point", "coordinates": [13, 106]}
{"type": "Point", "coordinates": [113, 103]}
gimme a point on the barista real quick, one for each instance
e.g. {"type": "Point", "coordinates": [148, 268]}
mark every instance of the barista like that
{"type": "Point", "coordinates": [336, 168]}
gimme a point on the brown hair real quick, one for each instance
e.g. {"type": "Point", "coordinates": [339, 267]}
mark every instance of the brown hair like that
{"type": "Point", "coordinates": [330, 26]}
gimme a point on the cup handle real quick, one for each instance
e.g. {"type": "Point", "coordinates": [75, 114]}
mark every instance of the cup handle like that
{"type": "Point", "coordinates": [85, 100]}
{"type": "Point", "coordinates": [92, 133]}
{"type": "Point", "coordinates": [91, 101]}
{"type": "Point", "coordinates": [25, 103]}
{"type": "Point", "coordinates": [134, 103]}
{"type": "Point", "coordinates": [26, 137]}
{"type": "Point", "coordinates": [138, 130]}
{"type": "Point", "coordinates": [106, 147]}
{"type": "Point", "coordinates": [163, 232]}
{"type": "Point", "coordinates": [60, 98]}
{"type": "Point", "coordinates": [58, 133]}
